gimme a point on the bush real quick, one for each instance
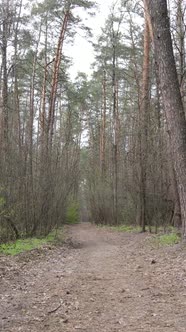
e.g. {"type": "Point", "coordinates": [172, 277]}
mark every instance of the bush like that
{"type": "Point", "coordinates": [166, 239]}
{"type": "Point", "coordinates": [72, 214]}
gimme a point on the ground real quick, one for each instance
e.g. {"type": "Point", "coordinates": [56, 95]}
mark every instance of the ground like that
{"type": "Point", "coordinates": [98, 281]}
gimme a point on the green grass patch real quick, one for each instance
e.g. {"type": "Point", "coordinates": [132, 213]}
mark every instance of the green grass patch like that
{"type": "Point", "coordinates": [166, 239]}
{"type": "Point", "coordinates": [122, 228]}
{"type": "Point", "coordinates": [22, 245]}
{"type": "Point", "coordinates": [161, 229]}
{"type": "Point", "coordinates": [126, 228]}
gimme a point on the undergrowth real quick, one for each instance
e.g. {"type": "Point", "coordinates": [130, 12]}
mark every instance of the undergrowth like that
{"type": "Point", "coordinates": [169, 239]}
{"type": "Point", "coordinates": [122, 228]}
{"type": "Point", "coordinates": [22, 245]}
{"type": "Point", "coordinates": [72, 214]}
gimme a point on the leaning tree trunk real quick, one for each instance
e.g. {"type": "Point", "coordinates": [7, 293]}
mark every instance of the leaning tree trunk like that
{"type": "Point", "coordinates": [54, 84]}
{"type": "Point", "coordinates": [171, 96]}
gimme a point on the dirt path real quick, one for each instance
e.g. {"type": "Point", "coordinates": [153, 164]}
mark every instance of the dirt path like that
{"type": "Point", "coordinates": [104, 281]}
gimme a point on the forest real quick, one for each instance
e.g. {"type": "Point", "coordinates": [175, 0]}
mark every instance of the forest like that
{"type": "Point", "coordinates": [92, 165]}
{"type": "Point", "coordinates": [110, 147]}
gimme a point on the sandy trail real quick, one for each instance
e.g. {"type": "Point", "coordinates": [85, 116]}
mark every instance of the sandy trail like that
{"type": "Point", "coordinates": [102, 281]}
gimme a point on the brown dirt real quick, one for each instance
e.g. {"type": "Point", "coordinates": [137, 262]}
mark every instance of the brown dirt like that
{"type": "Point", "coordinates": [100, 281]}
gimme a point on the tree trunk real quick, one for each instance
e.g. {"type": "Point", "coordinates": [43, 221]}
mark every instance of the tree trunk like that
{"type": "Point", "coordinates": [181, 45]}
{"type": "Point", "coordinates": [55, 76]}
{"type": "Point", "coordinates": [31, 119]}
{"type": "Point", "coordinates": [103, 133]}
{"type": "Point", "coordinates": [144, 107]}
{"type": "Point", "coordinates": [115, 136]}
{"type": "Point", "coordinates": [5, 81]}
{"type": "Point", "coordinates": [16, 84]}
{"type": "Point", "coordinates": [171, 96]}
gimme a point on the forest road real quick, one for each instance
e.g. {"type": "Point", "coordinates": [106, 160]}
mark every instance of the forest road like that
{"type": "Point", "coordinates": [100, 281]}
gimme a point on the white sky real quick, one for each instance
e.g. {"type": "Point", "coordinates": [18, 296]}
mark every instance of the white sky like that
{"type": "Point", "coordinates": [82, 51]}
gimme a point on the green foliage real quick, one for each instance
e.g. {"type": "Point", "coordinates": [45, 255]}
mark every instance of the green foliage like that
{"type": "Point", "coordinates": [72, 214]}
{"type": "Point", "coordinates": [2, 201]}
{"type": "Point", "coordinates": [166, 239]}
{"type": "Point", "coordinates": [22, 245]}
{"type": "Point", "coordinates": [2, 197]}
{"type": "Point", "coordinates": [128, 212]}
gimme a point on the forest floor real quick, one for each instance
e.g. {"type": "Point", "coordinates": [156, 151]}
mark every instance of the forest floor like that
{"type": "Point", "coordinates": [99, 281]}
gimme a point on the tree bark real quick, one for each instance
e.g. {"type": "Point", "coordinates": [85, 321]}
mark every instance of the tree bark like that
{"type": "Point", "coordinates": [57, 62]}
{"type": "Point", "coordinates": [16, 83]}
{"type": "Point", "coordinates": [171, 96]}
{"type": "Point", "coordinates": [31, 119]}
{"type": "Point", "coordinates": [144, 107]}
{"type": "Point", "coordinates": [5, 80]}
{"type": "Point", "coordinates": [103, 129]}
{"type": "Point", "coordinates": [181, 31]}
{"type": "Point", "coordinates": [115, 135]}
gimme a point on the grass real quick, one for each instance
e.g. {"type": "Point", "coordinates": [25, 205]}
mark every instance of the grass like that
{"type": "Point", "coordinates": [169, 239]}
{"type": "Point", "coordinates": [161, 240]}
{"type": "Point", "coordinates": [22, 245]}
{"type": "Point", "coordinates": [123, 228]}
{"type": "Point", "coordinates": [126, 228]}
{"type": "Point", "coordinates": [161, 229]}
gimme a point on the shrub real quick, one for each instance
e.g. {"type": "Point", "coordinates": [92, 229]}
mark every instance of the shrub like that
{"type": "Point", "coordinates": [72, 214]}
